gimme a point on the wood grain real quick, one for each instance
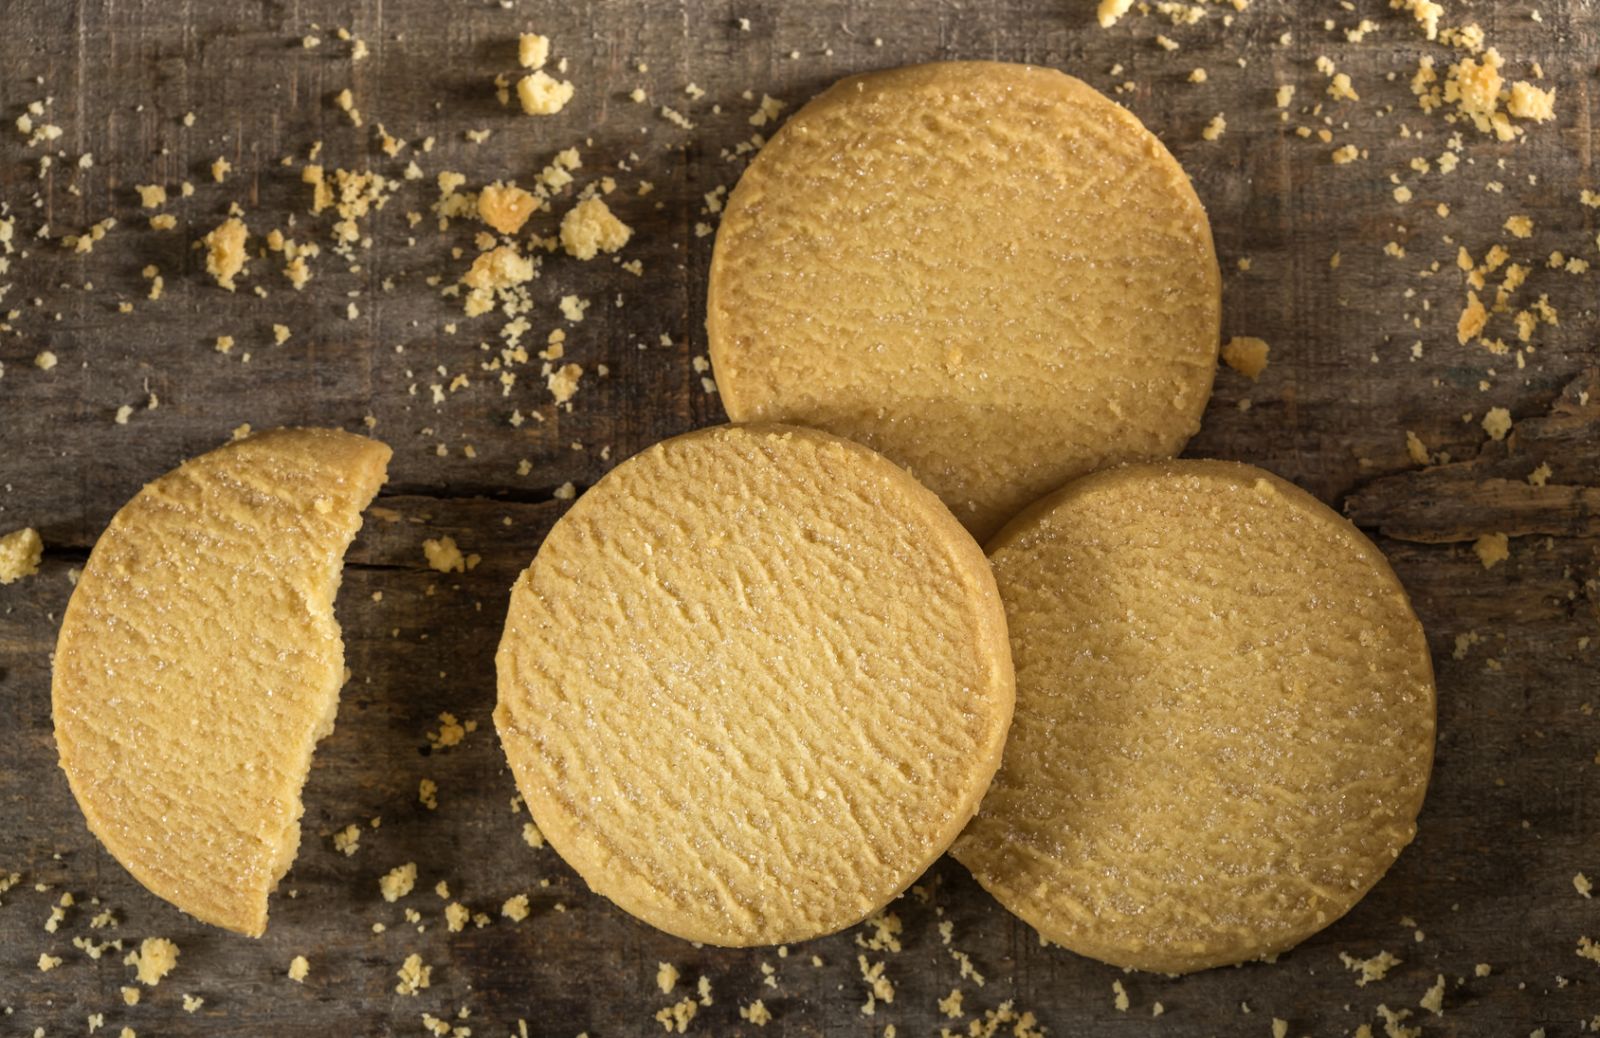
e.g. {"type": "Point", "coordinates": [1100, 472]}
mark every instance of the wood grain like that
{"type": "Point", "coordinates": [1512, 814]}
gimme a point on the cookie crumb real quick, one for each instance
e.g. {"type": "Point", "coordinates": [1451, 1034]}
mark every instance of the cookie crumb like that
{"type": "Point", "coordinates": [20, 554]}
{"type": "Point", "coordinates": [543, 94]}
{"type": "Point", "coordinates": [413, 974]}
{"type": "Point", "coordinates": [590, 227]}
{"type": "Point", "coordinates": [155, 958]}
{"type": "Point", "coordinates": [1492, 549]}
{"type": "Point", "coordinates": [1246, 355]}
{"type": "Point", "coordinates": [398, 882]}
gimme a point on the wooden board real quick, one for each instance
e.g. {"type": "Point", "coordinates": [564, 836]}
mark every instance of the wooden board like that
{"type": "Point", "coordinates": [1512, 813]}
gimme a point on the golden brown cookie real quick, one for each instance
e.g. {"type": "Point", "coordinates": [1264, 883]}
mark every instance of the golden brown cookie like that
{"type": "Point", "coordinates": [754, 683]}
{"type": "Point", "coordinates": [989, 272]}
{"type": "Point", "coordinates": [1225, 718]}
{"type": "Point", "coordinates": [199, 662]}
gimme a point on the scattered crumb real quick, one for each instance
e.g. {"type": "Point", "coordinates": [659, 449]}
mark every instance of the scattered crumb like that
{"type": "Point", "coordinates": [1246, 355]}
{"type": "Point", "coordinates": [1497, 423]}
{"type": "Point", "coordinates": [155, 958]}
{"type": "Point", "coordinates": [1433, 998]}
{"type": "Point", "coordinates": [676, 1017]}
{"type": "Point", "coordinates": [543, 94]}
{"type": "Point", "coordinates": [515, 908]}
{"type": "Point", "coordinates": [1215, 128]}
{"type": "Point", "coordinates": [1110, 10]}
{"type": "Point", "coordinates": [590, 227]}
{"type": "Point", "coordinates": [398, 882]}
{"type": "Point", "coordinates": [20, 554]}
{"type": "Point", "coordinates": [299, 969]}
{"type": "Point", "coordinates": [1492, 549]}
{"type": "Point", "coordinates": [444, 556]}
{"type": "Point", "coordinates": [414, 976]}
{"type": "Point", "coordinates": [533, 50]}
{"type": "Point", "coordinates": [1373, 969]}
{"type": "Point", "coordinates": [225, 251]}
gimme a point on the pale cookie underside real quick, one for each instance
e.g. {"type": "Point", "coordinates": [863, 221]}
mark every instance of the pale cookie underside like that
{"type": "Point", "coordinates": [989, 272]}
{"type": "Point", "coordinates": [754, 683]}
{"type": "Point", "coordinates": [1224, 722]}
{"type": "Point", "coordinates": [199, 662]}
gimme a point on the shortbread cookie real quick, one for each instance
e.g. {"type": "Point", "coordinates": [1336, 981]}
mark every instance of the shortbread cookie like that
{"type": "Point", "coordinates": [1225, 718]}
{"type": "Point", "coordinates": [199, 662]}
{"type": "Point", "coordinates": [989, 272]}
{"type": "Point", "coordinates": [754, 683]}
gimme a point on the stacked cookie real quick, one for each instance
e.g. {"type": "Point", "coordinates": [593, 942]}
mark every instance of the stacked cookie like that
{"type": "Point", "coordinates": [760, 676]}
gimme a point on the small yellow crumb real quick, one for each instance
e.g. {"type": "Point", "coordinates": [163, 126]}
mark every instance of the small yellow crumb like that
{"type": "Point", "coordinates": [1581, 884]}
{"type": "Point", "coordinates": [1529, 102]}
{"type": "Point", "coordinates": [347, 840]}
{"type": "Point", "coordinates": [1492, 549]}
{"type": "Point", "coordinates": [533, 50]}
{"type": "Point", "coordinates": [1119, 996]}
{"type": "Point", "coordinates": [590, 227]}
{"type": "Point", "coordinates": [225, 251]}
{"type": "Point", "coordinates": [563, 382]}
{"type": "Point", "coordinates": [398, 881]}
{"type": "Point", "coordinates": [515, 908]}
{"type": "Point", "coordinates": [542, 94]}
{"type": "Point", "coordinates": [676, 1017]}
{"type": "Point", "coordinates": [1416, 448]}
{"type": "Point", "coordinates": [1520, 226]}
{"type": "Point", "coordinates": [1497, 423]}
{"type": "Point", "coordinates": [505, 207]}
{"type": "Point", "coordinates": [444, 556]}
{"type": "Point", "coordinates": [1246, 355]}
{"type": "Point", "coordinates": [1373, 969]}
{"type": "Point", "coordinates": [1340, 89]}
{"type": "Point", "coordinates": [1474, 316]}
{"type": "Point", "coordinates": [414, 976]}
{"type": "Point", "coordinates": [1215, 128]}
{"type": "Point", "coordinates": [155, 958]}
{"type": "Point", "coordinates": [756, 1013]}
{"type": "Point", "coordinates": [20, 554]}
{"type": "Point", "coordinates": [220, 169]}
{"type": "Point", "coordinates": [1110, 10]}
{"type": "Point", "coordinates": [299, 969]}
{"type": "Point", "coordinates": [666, 976]}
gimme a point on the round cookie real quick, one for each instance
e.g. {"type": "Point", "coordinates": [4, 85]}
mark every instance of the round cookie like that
{"type": "Point", "coordinates": [990, 272]}
{"type": "Point", "coordinates": [754, 683]}
{"type": "Point", "coordinates": [1224, 722]}
{"type": "Point", "coordinates": [199, 662]}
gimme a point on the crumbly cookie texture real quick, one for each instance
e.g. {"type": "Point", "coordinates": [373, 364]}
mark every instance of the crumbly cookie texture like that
{"type": "Point", "coordinates": [20, 554]}
{"type": "Point", "coordinates": [712, 778]}
{"type": "Point", "coordinates": [542, 94]}
{"type": "Point", "coordinates": [1221, 689]}
{"type": "Point", "coordinates": [190, 685]}
{"type": "Point", "coordinates": [225, 251]}
{"type": "Point", "coordinates": [590, 228]}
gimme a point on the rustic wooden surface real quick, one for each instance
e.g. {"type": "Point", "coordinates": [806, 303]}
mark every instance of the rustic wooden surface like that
{"type": "Point", "coordinates": [1513, 810]}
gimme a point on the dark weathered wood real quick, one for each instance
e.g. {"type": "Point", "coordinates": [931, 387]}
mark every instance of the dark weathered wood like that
{"type": "Point", "coordinates": [1511, 815]}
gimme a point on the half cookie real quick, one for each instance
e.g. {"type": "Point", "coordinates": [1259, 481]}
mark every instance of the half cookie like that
{"type": "Point", "coordinates": [754, 683]}
{"type": "Point", "coordinates": [199, 662]}
{"type": "Point", "coordinates": [989, 272]}
{"type": "Point", "coordinates": [1225, 718]}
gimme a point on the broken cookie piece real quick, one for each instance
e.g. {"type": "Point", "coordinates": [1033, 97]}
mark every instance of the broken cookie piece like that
{"type": "Point", "coordinates": [199, 663]}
